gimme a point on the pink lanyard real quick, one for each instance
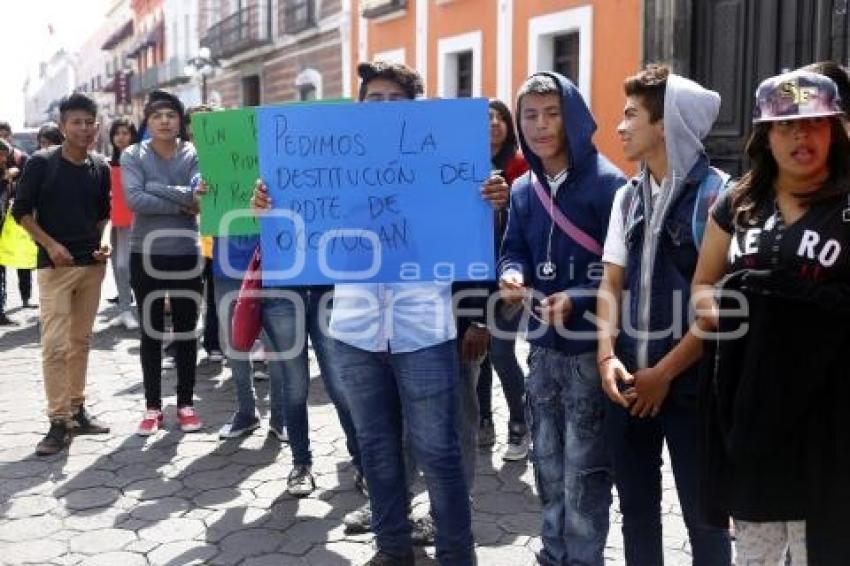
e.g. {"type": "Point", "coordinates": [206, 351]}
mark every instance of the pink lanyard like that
{"type": "Point", "coordinates": [575, 233]}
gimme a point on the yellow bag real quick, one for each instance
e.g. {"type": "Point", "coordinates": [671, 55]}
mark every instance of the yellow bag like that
{"type": "Point", "coordinates": [16, 247]}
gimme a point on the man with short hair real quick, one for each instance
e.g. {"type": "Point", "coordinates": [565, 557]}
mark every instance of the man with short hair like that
{"type": "Point", "coordinates": [557, 220]}
{"type": "Point", "coordinates": [650, 256]}
{"type": "Point", "coordinates": [416, 367]}
{"type": "Point", "coordinates": [63, 202]}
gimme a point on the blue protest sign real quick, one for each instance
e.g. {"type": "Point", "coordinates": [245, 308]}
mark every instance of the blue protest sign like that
{"type": "Point", "coordinates": [376, 192]}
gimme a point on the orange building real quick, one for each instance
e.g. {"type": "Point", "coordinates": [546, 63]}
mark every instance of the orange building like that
{"type": "Point", "coordinates": [488, 47]}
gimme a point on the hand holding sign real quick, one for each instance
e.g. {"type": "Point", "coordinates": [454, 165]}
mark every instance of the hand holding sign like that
{"type": "Point", "coordinates": [226, 142]}
{"type": "Point", "coordinates": [375, 192]}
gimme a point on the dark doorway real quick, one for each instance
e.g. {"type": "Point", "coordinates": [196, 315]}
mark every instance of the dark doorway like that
{"type": "Point", "coordinates": [251, 90]}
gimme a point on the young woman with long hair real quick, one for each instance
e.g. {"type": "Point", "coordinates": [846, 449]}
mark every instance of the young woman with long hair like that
{"type": "Point", "coordinates": [122, 134]}
{"type": "Point", "coordinates": [776, 429]}
{"type": "Point", "coordinates": [505, 158]}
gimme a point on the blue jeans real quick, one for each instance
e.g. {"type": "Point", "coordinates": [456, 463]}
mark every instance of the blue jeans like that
{"type": "Point", "coordinates": [420, 388]}
{"type": "Point", "coordinates": [466, 425]}
{"type": "Point", "coordinates": [288, 320]}
{"type": "Point", "coordinates": [565, 410]}
{"type": "Point", "coordinates": [240, 368]}
{"type": "Point", "coordinates": [636, 450]}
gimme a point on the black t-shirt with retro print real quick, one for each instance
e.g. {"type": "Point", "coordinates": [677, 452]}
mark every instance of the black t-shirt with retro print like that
{"type": "Point", "coordinates": [812, 255]}
{"type": "Point", "coordinates": [775, 387]}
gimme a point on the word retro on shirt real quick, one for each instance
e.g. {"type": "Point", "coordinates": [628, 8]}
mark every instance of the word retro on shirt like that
{"type": "Point", "coordinates": [815, 252]}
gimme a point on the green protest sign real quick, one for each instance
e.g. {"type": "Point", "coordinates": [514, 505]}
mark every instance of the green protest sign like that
{"type": "Point", "coordinates": [226, 142]}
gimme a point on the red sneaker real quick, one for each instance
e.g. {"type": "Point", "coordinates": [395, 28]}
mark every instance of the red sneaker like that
{"type": "Point", "coordinates": [188, 419]}
{"type": "Point", "coordinates": [150, 424]}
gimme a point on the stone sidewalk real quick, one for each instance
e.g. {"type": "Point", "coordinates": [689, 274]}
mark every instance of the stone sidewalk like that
{"type": "Point", "coordinates": [177, 499]}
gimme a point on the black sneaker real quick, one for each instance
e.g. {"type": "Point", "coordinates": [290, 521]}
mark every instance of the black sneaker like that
{"type": "Point", "coordinates": [422, 530]}
{"type": "Point", "coordinates": [384, 559]}
{"type": "Point", "coordinates": [55, 440]}
{"type": "Point", "coordinates": [486, 432]}
{"type": "Point", "coordinates": [6, 321]}
{"type": "Point", "coordinates": [87, 424]}
{"type": "Point", "coordinates": [358, 521]}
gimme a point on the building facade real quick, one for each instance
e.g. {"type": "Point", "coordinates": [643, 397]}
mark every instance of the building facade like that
{"type": "Point", "coordinates": [488, 47]}
{"type": "Point", "coordinates": [52, 80]}
{"type": "Point", "coordinates": [147, 49]}
{"type": "Point", "coordinates": [181, 45]}
{"type": "Point", "coordinates": [271, 51]}
{"type": "Point", "coordinates": [119, 66]}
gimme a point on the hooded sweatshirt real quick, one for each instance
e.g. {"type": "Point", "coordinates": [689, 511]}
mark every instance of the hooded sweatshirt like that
{"type": "Point", "coordinates": [585, 198]}
{"type": "Point", "coordinates": [656, 230]}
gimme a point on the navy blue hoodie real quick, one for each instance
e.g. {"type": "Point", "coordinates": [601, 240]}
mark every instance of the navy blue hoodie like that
{"type": "Point", "coordinates": [585, 198]}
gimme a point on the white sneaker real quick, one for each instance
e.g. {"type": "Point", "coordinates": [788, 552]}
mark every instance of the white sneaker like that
{"type": "Point", "coordinates": [518, 441]}
{"type": "Point", "coordinates": [128, 320]}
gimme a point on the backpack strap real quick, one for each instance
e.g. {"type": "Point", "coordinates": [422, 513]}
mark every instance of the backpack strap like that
{"type": "Point", "coordinates": [98, 163]}
{"type": "Point", "coordinates": [54, 157]}
{"type": "Point", "coordinates": [710, 188]}
{"type": "Point", "coordinates": [629, 204]}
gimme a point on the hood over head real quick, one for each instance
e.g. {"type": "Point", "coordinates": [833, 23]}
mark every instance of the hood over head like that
{"type": "Point", "coordinates": [579, 127]}
{"type": "Point", "coordinates": [689, 113]}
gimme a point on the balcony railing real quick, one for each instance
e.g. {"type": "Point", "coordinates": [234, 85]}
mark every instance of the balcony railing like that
{"type": "Point", "coordinates": [246, 29]}
{"type": "Point", "coordinates": [299, 15]}
{"type": "Point", "coordinates": [172, 71]}
{"type": "Point", "coordinates": [379, 8]}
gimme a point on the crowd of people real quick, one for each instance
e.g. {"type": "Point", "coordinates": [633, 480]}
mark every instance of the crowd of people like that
{"type": "Point", "coordinates": [679, 307]}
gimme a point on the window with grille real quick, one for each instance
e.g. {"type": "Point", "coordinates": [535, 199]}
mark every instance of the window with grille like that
{"type": "Point", "coordinates": [565, 55]}
{"type": "Point", "coordinates": [299, 15]}
{"type": "Point", "coordinates": [464, 74]}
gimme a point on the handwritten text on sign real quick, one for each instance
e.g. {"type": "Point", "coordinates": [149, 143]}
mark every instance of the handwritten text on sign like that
{"type": "Point", "coordinates": [227, 154]}
{"type": "Point", "coordinates": [376, 192]}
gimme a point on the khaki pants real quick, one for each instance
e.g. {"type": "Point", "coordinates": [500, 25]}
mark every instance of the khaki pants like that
{"type": "Point", "coordinates": [69, 297]}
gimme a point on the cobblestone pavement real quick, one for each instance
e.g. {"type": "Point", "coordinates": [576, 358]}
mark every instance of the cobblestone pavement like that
{"type": "Point", "coordinates": [175, 499]}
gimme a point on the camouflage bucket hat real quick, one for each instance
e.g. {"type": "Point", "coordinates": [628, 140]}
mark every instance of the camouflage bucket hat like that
{"type": "Point", "coordinates": [795, 96]}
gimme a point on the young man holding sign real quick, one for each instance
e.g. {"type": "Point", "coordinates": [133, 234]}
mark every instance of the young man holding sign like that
{"type": "Point", "coordinates": [417, 368]}
{"type": "Point", "coordinates": [551, 262]}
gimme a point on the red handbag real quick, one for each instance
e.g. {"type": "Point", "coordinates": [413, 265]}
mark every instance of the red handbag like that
{"type": "Point", "coordinates": [247, 319]}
